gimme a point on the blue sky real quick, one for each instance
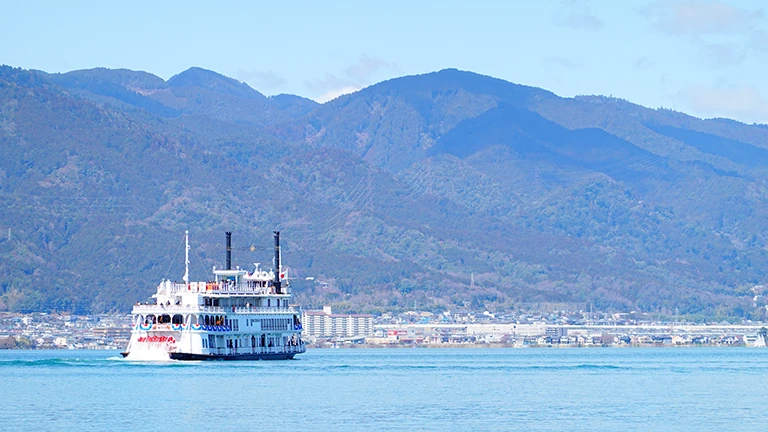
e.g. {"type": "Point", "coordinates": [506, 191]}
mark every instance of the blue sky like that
{"type": "Point", "coordinates": [706, 58]}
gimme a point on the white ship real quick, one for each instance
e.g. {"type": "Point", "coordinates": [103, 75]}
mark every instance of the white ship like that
{"type": "Point", "coordinates": [240, 315]}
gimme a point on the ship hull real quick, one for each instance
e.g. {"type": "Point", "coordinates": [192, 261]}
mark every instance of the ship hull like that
{"type": "Point", "coordinates": [206, 357]}
{"type": "Point", "coordinates": [257, 356]}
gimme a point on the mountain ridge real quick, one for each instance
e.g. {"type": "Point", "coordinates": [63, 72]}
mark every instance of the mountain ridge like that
{"type": "Point", "coordinates": [393, 194]}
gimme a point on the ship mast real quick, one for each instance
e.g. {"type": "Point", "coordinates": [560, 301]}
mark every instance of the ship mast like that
{"type": "Point", "coordinates": [277, 283]}
{"type": "Point", "coordinates": [186, 258]}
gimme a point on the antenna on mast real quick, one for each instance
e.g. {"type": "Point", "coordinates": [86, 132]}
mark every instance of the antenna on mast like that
{"type": "Point", "coordinates": [186, 258]}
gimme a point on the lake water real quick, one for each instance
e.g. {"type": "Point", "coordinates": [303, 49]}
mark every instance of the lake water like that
{"type": "Point", "coordinates": [392, 390]}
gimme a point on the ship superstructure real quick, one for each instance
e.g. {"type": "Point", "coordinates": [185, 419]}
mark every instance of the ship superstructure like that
{"type": "Point", "coordinates": [239, 315]}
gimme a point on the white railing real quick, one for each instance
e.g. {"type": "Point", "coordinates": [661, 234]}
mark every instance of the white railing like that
{"type": "Point", "coordinates": [288, 349]}
{"type": "Point", "coordinates": [171, 309]}
{"type": "Point", "coordinates": [247, 310]}
{"type": "Point", "coordinates": [224, 288]}
{"type": "Point", "coordinates": [164, 309]}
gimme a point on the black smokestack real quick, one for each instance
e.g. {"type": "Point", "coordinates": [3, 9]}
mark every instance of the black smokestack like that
{"type": "Point", "coordinates": [229, 250]}
{"type": "Point", "coordinates": [278, 288]}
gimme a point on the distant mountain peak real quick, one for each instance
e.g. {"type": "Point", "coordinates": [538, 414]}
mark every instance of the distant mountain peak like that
{"type": "Point", "coordinates": [453, 79]}
{"type": "Point", "coordinates": [284, 101]}
{"type": "Point", "coordinates": [127, 78]}
{"type": "Point", "coordinates": [18, 76]}
{"type": "Point", "coordinates": [204, 78]}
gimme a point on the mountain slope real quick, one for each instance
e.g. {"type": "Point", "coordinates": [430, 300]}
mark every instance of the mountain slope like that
{"type": "Point", "coordinates": [399, 194]}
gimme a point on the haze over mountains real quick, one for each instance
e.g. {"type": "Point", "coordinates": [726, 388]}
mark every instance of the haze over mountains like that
{"type": "Point", "coordinates": [443, 190]}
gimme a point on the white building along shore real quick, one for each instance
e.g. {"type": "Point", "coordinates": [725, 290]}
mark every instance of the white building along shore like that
{"type": "Point", "coordinates": [326, 324]}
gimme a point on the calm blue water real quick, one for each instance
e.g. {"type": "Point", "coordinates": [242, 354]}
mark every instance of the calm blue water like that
{"type": "Point", "coordinates": [392, 390]}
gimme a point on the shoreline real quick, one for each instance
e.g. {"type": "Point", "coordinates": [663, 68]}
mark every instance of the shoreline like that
{"type": "Point", "coordinates": [512, 346]}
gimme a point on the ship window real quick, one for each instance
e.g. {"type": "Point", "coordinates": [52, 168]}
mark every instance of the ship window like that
{"type": "Point", "coordinates": [177, 319]}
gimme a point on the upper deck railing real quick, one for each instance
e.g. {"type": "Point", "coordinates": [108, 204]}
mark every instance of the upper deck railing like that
{"type": "Point", "coordinates": [172, 309]}
{"type": "Point", "coordinates": [246, 287]}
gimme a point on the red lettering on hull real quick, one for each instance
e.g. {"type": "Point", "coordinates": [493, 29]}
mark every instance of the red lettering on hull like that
{"type": "Point", "coordinates": [157, 339]}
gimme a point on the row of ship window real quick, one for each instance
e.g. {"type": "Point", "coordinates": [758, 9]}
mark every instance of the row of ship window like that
{"type": "Point", "coordinates": [266, 323]}
{"type": "Point", "coordinates": [252, 342]}
{"type": "Point", "coordinates": [233, 323]}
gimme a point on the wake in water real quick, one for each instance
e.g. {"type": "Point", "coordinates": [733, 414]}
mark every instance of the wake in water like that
{"type": "Point", "coordinates": [148, 355]}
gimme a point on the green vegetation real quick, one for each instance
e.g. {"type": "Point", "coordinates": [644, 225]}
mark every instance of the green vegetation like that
{"type": "Point", "coordinates": [436, 191]}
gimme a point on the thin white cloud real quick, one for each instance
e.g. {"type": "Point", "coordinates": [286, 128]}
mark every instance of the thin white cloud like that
{"type": "Point", "coordinates": [261, 80]}
{"type": "Point", "coordinates": [759, 41]}
{"type": "Point", "coordinates": [721, 55]}
{"type": "Point", "coordinates": [577, 14]}
{"type": "Point", "coordinates": [695, 18]}
{"type": "Point", "coordinates": [327, 83]}
{"type": "Point", "coordinates": [581, 21]}
{"type": "Point", "coordinates": [644, 63]}
{"type": "Point", "coordinates": [743, 103]}
{"type": "Point", "coordinates": [722, 34]}
{"type": "Point", "coordinates": [355, 76]}
{"type": "Point", "coordinates": [366, 67]}
{"type": "Point", "coordinates": [333, 94]}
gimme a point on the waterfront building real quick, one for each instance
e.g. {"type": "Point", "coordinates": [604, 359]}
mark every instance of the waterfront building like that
{"type": "Point", "coordinates": [326, 324]}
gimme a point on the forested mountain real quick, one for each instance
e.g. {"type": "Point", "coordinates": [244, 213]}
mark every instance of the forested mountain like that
{"type": "Point", "coordinates": [449, 189]}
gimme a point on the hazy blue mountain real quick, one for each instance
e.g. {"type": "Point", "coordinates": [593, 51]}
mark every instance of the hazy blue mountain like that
{"type": "Point", "coordinates": [295, 106]}
{"type": "Point", "coordinates": [738, 152]}
{"type": "Point", "coordinates": [398, 195]}
{"type": "Point", "coordinates": [117, 86]}
{"type": "Point", "coordinates": [209, 80]}
{"type": "Point", "coordinates": [392, 124]}
{"type": "Point", "coordinates": [197, 92]}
